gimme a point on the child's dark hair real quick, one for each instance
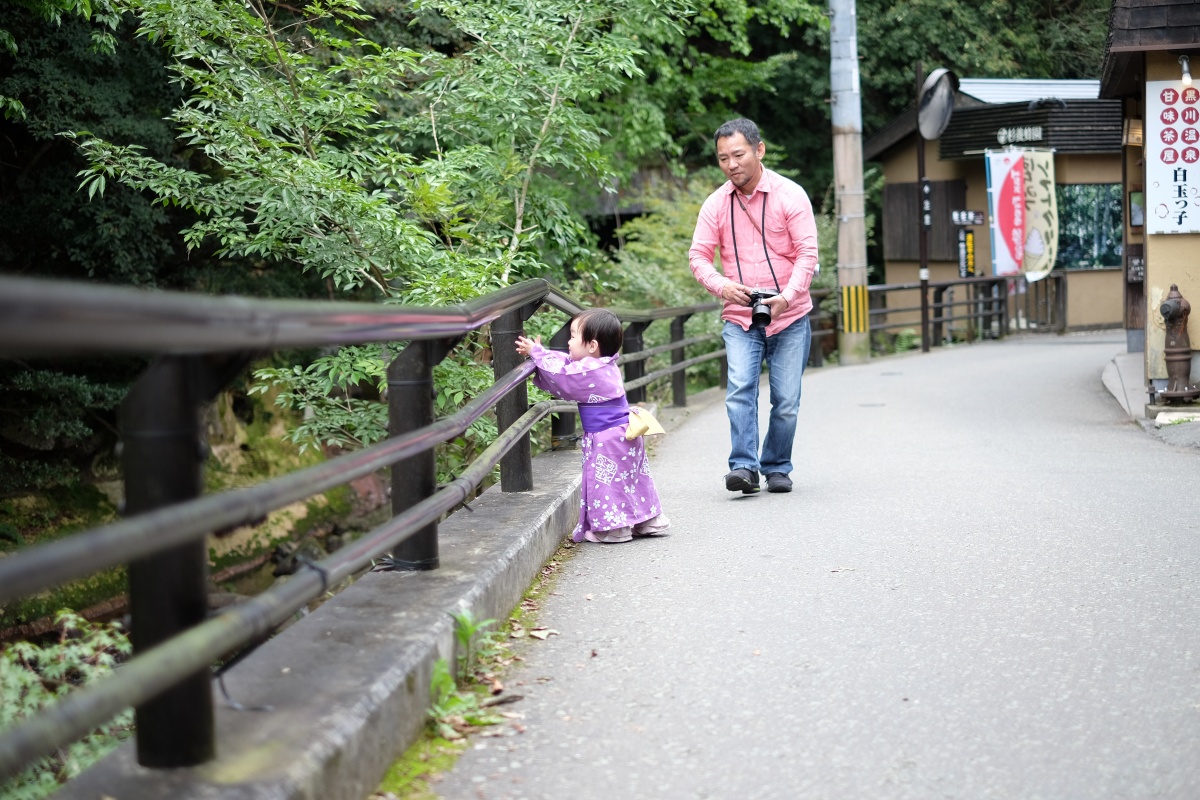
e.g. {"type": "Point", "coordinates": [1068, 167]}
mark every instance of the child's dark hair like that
{"type": "Point", "coordinates": [603, 327]}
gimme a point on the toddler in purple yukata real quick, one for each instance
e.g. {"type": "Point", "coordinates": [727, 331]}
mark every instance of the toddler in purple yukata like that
{"type": "Point", "coordinates": [618, 499]}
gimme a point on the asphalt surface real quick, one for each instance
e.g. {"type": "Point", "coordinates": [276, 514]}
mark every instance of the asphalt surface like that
{"type": "Point", "coordinates": [984, 586]}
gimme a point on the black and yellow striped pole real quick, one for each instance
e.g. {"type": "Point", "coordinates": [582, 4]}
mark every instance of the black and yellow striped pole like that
{"type": "Point", "coordinates": [856, 312]}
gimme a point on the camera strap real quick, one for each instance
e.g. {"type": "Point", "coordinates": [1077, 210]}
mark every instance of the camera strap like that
{"type": "Point", "coordinates": [733, 233]}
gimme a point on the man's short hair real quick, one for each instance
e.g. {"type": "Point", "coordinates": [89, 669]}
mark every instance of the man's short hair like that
{"type": "Point", "coordinates": [741, 125]}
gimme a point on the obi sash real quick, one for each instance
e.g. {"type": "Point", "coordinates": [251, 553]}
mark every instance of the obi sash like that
{"type": "Point", "coordinates": [598, 417]}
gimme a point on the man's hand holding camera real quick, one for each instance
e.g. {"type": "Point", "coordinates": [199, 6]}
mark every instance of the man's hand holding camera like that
{"type": "Point", "coordinates": [778, 304]}
{"type": "Point", "coordinates": [735, 292]}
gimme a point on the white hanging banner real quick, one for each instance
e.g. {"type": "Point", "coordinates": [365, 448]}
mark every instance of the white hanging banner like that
{"type": "Point", "coordinates": [1041, 215]}
{"type": "Point", "coordinates": [1172, 151]}
{"type": "Point", "coordinates": [1006, 209]}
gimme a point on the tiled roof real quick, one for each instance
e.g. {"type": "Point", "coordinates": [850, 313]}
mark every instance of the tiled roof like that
{"type": "Point", "coordinates": [1136, 26]}
{"type": "Point", "coordinates": [1022, 90]}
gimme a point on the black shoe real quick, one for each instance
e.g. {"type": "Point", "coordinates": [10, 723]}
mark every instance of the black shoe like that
{"type": "Point", "coordinates": [778, 482]}
{"type": "Point", "coordinates": [742, 480]}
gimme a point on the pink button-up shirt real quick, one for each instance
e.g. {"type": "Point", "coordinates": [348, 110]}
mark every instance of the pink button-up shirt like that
{"type": "Point", "coordinates": [791, 234]}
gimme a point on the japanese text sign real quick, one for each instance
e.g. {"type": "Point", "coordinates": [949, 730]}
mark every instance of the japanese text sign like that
{"type": "Point", "coordinates": [1172, 152]}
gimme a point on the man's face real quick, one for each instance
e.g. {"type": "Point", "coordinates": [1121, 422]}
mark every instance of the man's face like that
{"type": "Point", "coordinates": [741, 163]}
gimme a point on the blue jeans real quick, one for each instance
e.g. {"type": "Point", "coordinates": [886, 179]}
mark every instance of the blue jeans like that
{"type": "Point", "coordinates": [786, 354]}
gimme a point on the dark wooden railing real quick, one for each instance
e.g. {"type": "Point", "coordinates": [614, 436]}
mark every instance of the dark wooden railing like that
{"type": "Point", "coordinates": [977, 308]}
{"type": "Point", "coordinates": [200, 345]}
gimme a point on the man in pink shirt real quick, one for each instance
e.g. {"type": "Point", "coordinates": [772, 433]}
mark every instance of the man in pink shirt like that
{"type": "Point", "coordinates": [763, 225]}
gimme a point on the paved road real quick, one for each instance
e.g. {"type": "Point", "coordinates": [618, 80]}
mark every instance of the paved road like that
{"type": "Point", "coordinates": [984, 587]}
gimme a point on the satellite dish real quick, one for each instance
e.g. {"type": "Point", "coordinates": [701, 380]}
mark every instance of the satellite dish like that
{"type": "Point", "coordinates": [936, 103]}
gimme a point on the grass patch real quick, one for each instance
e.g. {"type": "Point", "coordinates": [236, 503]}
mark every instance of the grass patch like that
{"type": "Point", "coordinates": [415, 774]}
{"type": "Point", "coordinates": [412, 776]}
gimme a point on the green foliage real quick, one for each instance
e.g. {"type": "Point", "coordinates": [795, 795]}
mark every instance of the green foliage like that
{"type": "Point", "coordinates": [452, 711]}
{"type": "Point", "coordinates": [1020, 39]}
{"type": "Point", "coordinates": [82, 593]}
{"type": "Point", "coordinates": [411, 775]}
{"type": "Point", "coordinates": [695, 73]}
{"type": "Point", "coordinates": [457, 380]}
{"type": "Point", "coordinates": [332, 415]}
{"type": "Point", "coordinates": [467, 634]}
{"type": "Point", "coordinates": [48, 515]}
{"type": "Point", "coordinates": [45, 426]}
{"type": "Point", "coordinates": [513, 106]}
{"type": "Point", "coordinates": [306, 164]}
{"type": "Point", "coordinates": [906, 339]}
{"type": "Point", "coordinates": [52, 11]}
{"type": "Point", "coordinates": [273, 110]}
{"type": "Point", "coordinates": [56, 423]}
{"type": "Point", "coordinates": [64, 84]}
{"type": "Point", "coordinates": [652, 263]}
{"type": "Point", "coordinates": [33, 677]}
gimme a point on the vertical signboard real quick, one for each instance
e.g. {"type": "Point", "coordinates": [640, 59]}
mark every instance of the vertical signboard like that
{"type": "Point", "coordinates": [1172, 149]}
{"type": "Point", "coordinates": [1041, 215]}
{"type": "Point", "coordinates": [1006, 207]}
{"type": "Point", "coordinates": [1024, 212]}
{"type": "Point", "coordinates": [966, 253]}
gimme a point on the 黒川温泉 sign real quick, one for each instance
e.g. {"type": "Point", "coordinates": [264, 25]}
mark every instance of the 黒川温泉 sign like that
{"type": "Point", "coordinates": [1172, 153]}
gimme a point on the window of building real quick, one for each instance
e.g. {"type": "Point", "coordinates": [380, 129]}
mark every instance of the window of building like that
{"type": "Point", "coordinates": [1089, 225]}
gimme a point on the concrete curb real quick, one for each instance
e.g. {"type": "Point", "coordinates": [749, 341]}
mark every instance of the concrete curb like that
{"type": "Point", "coordinates": [1122, 377]}
{"type": "Point", "coordinates": [348, 686]}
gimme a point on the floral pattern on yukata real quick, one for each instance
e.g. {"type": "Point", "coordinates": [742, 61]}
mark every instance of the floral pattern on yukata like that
{"type": "Point", "coordinates": [616, 496]}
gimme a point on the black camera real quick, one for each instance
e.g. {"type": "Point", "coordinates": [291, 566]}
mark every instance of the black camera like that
{"type": "Point", "coordinates": [760, 312]}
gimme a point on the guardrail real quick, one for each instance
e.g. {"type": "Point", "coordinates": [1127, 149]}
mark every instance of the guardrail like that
{"type": "Point", "coordinates": [202, 344]}
{"type": "Point", "coordinates": [987, 308]}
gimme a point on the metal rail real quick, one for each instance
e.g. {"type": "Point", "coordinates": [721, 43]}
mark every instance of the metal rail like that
{"type": "Point", "coordinates": [1035, 306]}
{"type": "Point", "coordinates": [43, 317]}
{"type": "Point", "coordinates": [149, 674]}
{"type": "Point", "coordinates": [202, 344]}
{"type": "Point", "coordinates": [94, 550]}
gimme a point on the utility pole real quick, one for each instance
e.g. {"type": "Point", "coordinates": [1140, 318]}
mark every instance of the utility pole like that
{"type": "Point", "coordinates": [854, 338]}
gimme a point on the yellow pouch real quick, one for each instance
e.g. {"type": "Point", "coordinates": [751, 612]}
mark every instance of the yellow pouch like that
{"type": "Point", "coordinates": [641, 423]}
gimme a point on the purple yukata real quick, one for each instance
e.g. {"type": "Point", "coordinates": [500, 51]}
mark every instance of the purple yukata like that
{"type": "Point", "coordinates": [618, 498]}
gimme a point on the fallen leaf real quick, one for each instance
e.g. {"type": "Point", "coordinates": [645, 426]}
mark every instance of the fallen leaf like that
{"type": "Point", "coordinates": [518, 727]}
{"type": "Point", "coordinates": [543, 633]}
{"type": "Point", "coordinates": [594, 654]}
{"type": "Point", "coordinates": [517, 633]}
{"type": "Point", "coordinates": [497, 686]}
